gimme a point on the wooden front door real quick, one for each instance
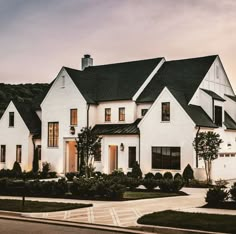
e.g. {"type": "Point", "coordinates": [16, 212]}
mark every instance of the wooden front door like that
{"type": "Point", "coordinates": [72, 156]}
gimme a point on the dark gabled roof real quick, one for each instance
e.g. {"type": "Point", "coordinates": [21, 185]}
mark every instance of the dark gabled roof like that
{"type": "Point", "coordinates": [229, 122]}
{"type": "Point", "coordinates": [231, 97]}
{"type": "Point", "coordinates": [182, 75]}
{"type": "Point", "coordinates": [111, 82]}
{"type": "Point", "coordinates": [196, 113]}
{"type": "Point", "coordinates": [117, 129]}
{"type": "Point", "coordinates": [30, 117]}
{"type": "Point", "coordinates": [213, 95]}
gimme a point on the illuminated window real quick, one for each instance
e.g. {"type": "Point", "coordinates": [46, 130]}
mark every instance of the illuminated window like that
{"type": "Point", "coordinates": [3, 154]}
{"type": "Point", "coordinates": [11, 119]}
{"type": "Point", "coordinates": [18, 153]}
{"type": "Point", "coordinates": [121, 114]}
{"type": "Point", "coordinates": [53, 134]}
{"type": "Point", "coordinates": [165, 111]}
{"type": "Point", "coordinates": [107, 114]}
{"type": "Point", "coordinates": [73, 117]}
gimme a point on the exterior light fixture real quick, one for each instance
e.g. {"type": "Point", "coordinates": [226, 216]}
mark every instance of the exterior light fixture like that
{"type": "Point", "coordinates": [72, 130]}
{"type": "Point", "coordinates": [122, 147]}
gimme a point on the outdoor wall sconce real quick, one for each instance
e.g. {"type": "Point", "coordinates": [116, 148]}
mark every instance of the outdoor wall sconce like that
{"type": "Point", "coordinates": [122, 147]}
{"type": "Point", "coordinates": [72, 130]}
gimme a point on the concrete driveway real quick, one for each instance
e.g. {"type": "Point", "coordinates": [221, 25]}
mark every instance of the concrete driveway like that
{"type": "Point", "coordinates": [124, 213]}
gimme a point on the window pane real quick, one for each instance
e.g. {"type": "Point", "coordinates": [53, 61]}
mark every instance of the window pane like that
{"type": "Point", "coordinates": [166, 158]}
{"type": "Point", "coordinates": [165, 111]}
{"type": "Point", "coordinates": [97, 156]}
{"type": "Point", "coordinates": [107, 114]}
{"type": "Point", "coordinates": [73, 117]}
{"type": "Point", "coordinates": [53, 134]}
{"type": "Point", "coordinates": [11, 119]}
{"type": "Point", "coordinates": [218, 115]}
{"type": "Point", "coordinates": [175, 158]}
{"type": "Point", "coordinates": [3, 153]}
{"type": "Point", "coordinates": [156, 158]}
{"type": "Point", "coordinates": [18, 153]}
{"type": "Point", "coordinates": [122, 114]}
{"type": "Point", "coordinates": [132, 156]}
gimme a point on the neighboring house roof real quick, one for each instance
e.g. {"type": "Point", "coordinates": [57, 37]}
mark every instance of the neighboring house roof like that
{"type": "Point", "coordinates": [213, 95]}
{"type": "Point", "coordinates": [231, 97]}
{"type": "Point", "coordinates": [229, 122]}
{"type": "Point", "coordinates": [30, 117]}
{"type": "Point", "coordinates": [117, 129]}
{"type": "Point", "coordinates": [182, 78]}
{"type": "Point", "coordinates": [112, 82]}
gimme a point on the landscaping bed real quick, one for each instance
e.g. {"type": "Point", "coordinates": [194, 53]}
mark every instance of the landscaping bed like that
{"type": "Point", "coordinates": [197, 221]}
{"type": "Point", "coordinates": [222, 205]}
{"type": "Point", "coordinates": [36, 206]}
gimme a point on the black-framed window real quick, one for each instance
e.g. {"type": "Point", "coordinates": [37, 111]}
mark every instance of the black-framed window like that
{"type": "Point", "coordinates": [165, 111]}
{"type": "Point", "coordinates": [38, 152]}
{"type": "Point", "coordinates": [18, 153]}
{"type": "Point", "coordinates": [98, 155]}
{"type": "Point", "coordinates": [107, 114]}
{"type": "Point", "coordinates": [121, 114]}
{"type": "Point", "coordinates": [11, 119]}
{"type": "Point", "coordinates": [73, 117]}
{"type": "Point", "coordinates": [53, 134]}
{"type": "Point", "coordinates": [132, 156]}
{"type": "Point", "coordinates": [143, 112]}
{"type": "Point", "coordinates": [218, 115]}
{"type": "Point", "coordinates": [3, 154]}
{"type": "Point", "coordinates": [166, 158]}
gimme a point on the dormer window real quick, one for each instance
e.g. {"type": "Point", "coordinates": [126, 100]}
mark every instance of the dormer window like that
{"type": "Point", "coordinates": [121, 114]}
{"type": "Point", "coordinates": [11, 119]}
{"type": "Point", "coordinates": [165, 111]}
{"type": "Point", "coordinates": [218, 115]}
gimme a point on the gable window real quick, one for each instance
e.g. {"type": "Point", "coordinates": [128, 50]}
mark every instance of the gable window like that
{"type": "Point", "coordinates": [18, 153]}
{"type": "Point", "coordinates": [107, 114]}
{"type": "Point", "coordinates": [3, 154]}
{"type": "Point", "coordinates": [53, 134]}
{"type": "Point", "coordinates": [121, 114]}
{"type": "Point", "coordinates": [11, 119]}
{"type": "Point", "coordinates": [73, 117]}
{"type": "Point", "coordinates": [166, 158]}
{"type": "Point", "coordinates": [165, 111]}
{"type": "Point", "coordinates": [143, 112]}
{"type": "Point", "coordinates": [132, 156]}
{"type": "Point", "coordinates": [218, 116]}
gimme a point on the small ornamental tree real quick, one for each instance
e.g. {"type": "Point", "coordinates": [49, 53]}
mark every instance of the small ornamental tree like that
{"type": "Point", "coordinates": [88, 146]}
{"type": "Point", "coordinates": [207, 145]}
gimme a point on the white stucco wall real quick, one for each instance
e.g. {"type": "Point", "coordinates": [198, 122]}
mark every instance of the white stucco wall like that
{"type": "Point", "coordinates": [56, 108]}
{"type": "Point", "coordinates": [178, 132]}
{"type": "Point", "coordinates": [17, 135]}
{"type": "Point", "coordinates": [230, 107]}
{"type": "Point", "coordinates": [130, 111]}
{"type": "Point", "coordinates": [127, 140]}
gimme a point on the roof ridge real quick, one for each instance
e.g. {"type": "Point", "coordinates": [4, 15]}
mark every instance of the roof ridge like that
{"type": "Point", "coordinates": [192, 58]}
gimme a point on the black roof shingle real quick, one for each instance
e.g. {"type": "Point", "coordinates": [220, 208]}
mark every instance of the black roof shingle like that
{"type": "Point", "coordinates": [214, 95]}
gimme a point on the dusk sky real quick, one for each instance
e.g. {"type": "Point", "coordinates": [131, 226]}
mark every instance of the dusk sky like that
{"type": "Point", "coordinates": [38, 37]}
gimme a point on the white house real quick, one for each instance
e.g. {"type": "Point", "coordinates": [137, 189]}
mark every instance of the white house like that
{"type": "Point", "coordinates": [147, 111]}
{"type": "Point", "coordinates": [20, 136]}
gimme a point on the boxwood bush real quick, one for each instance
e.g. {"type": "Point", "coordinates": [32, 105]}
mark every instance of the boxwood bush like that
{"type": "Point", "coordinates": [216, 195]}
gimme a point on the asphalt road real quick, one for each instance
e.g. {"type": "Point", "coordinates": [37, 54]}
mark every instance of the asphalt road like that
{"type": "Point", "coordinates": [18, 227]}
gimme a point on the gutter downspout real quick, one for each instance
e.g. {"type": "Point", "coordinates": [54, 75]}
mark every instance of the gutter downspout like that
{"type": "Point", "coordinates": [197, 146]}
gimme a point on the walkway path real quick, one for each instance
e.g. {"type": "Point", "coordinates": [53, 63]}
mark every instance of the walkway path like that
{"type": "Point", "coordinates": [125, 213]}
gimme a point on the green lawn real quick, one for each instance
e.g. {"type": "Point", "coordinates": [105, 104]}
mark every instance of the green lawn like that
{"type": "Point", "coordinates": [198, 221]}
{"type": "Point", "coordinates": [35, 206]}
{"type": "Point", "coordinates": [140, 194]}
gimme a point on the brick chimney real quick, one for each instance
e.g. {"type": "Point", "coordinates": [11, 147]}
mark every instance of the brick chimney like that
{"type": "Point", "coordinates": [86, 61]}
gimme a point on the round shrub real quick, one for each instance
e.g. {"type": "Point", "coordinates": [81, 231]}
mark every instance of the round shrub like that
{"type": "Point", "coordinates": [149, 175]}
{"type": "Point", "coordinates": [150, 183]}
{"type": "Point", "coordinates": [118, 173]}
{"type": "Point", "coordinates": [158, 176]}
{"type": "Point", "coordinates": [132, 183]}
{"type": "Point", "coordinates": [188, 174]}
{"type": "Point", "coordinates": [177, 176]}
{"type": "Point", "coordinates": [171, 186]}
{"type": "Point", "coordinates": [129, 174]}
{"type": "Point", "coordinates": [17, 169]}
{"type": "Point", "coordinates": [136, 171]}
{"type": "Point", "coordinates": [168, 175]}
{"type": "Point", "coordinates": [215, 195]}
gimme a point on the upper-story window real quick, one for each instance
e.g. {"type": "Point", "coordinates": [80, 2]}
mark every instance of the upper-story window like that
{"type": "Point", "coordinates": [143, 112]}
{"type": "Point", "coordinates": [121, 114]}
{"type": "Point", "coordinates": [18, 153]}
{"type": "Point", "coordinates": [217, 72]}
{"type": "Point", "coordinates": [11, 119]}
{"type": "Point", "coordinates": [107, 114]}
{"type": "Point", "coordinates": [53, 134]}
{"type": "Point", "coordinates": [218, 115]}
{"type": "Point", "coordinates": [165, 111]}
{"type": "Point", "coordinates": [73, 117]}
